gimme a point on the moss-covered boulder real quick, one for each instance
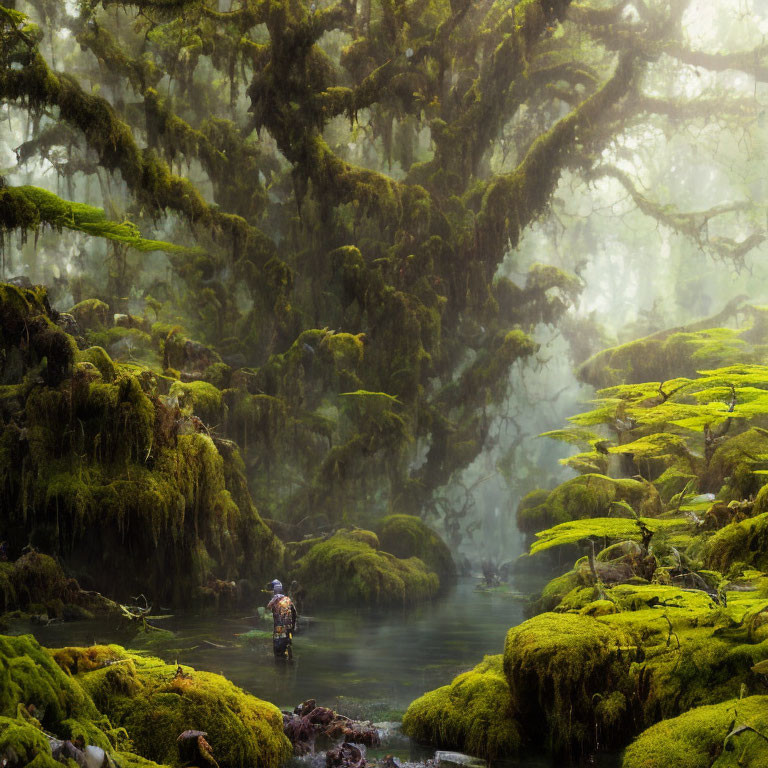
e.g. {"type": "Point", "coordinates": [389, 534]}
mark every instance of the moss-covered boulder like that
{"type": "Point", "coordinates": [346, 568]}
{"type": "Point", "coordinates": [474, 714]}
{"type": "Point", "coordinates": [98, 357]}
{"type": "Point", "coordinates": [733, 464]}
{"type": "Point", "coordinates": [36, 581]}
{"type": "Point", "coordinates": [725, 735]}
{"type": "Point", "coordinates": [202, 399]}
{"type": "Point", "coordinates": [132, 707]}
{"type": "Point", "coordinates": [155, 702]}
{"type": "Point", "coordinates": [408, 536]}
{"type": "Point", "coordinates": [588, 496]}
{"type": "Point", "coordinates": [91, 314]}
{"type": "Point", "coordinates": [739, 544]}
{"type": "Point", "coordinates": [31, 679]}
{"type": "Point", "coordinates": [570, 674]}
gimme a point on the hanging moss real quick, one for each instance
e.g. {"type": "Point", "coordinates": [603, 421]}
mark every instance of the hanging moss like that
{"type": "Point", "coordinates": [474, 714]}
{"type": "Point", "coordinates": [556, 664]}
{"type": "Point", "coordinates": [408, 536]}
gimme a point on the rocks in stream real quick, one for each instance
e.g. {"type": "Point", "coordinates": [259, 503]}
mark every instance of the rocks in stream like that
{"type": "Point", "coordinates": [309, 723]}
{"type": "Point", "coordinates": [346, 755]}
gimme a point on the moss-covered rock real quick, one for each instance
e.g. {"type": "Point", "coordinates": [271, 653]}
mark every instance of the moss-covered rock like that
{"type": "Point", "coordinates": [559, 667]}
{"type": "Point", "coordinates": [474, 714]}
{"type": "Point", "coordinates": [120, 701]}
{"type": "Point", "coordinates": [29, 339]}
{"type": "Point", "coordinates": [155, 702]}
{"type": "Point", "coordinates": [732, 466]}
{"type": "Point", "coordinates": [37, 580]}
{"type": "Point", "coordinates": [30, 676]}
{"type": "Point", "coordinates": [202, 399]}
{"type": "Point", "coordinates": [718, 735]}
{"type": "Point", "coordinates": [739, 544]}
{"type": "Point", "coordinates": [91, 314]}
{"type": "Point", "coordinates": [408, 536]}
{"type": "Point", "coordinates": [345, 568]}
{"type": "Point", "coordinates": [99, 358]}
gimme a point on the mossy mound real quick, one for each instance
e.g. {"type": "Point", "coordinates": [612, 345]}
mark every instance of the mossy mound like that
{"type": "Point", "coordinates": [588, 496]}
{"type": "Point", "coordinates": [561, 668]}
{"type": "Point", "coordinates": [101, 470]}
{"type": "Point", "coordinates": [345, 568]}
{"type": "Point", "coordinates": [733, 465]}
{"type": "Point", "coordinates": [408, 536]}
{"type": "Point", "coordinates": [155, 702]}
{"type": "Point", "coordinates": [30, 676]}
{"type": "Point", "coordinates": [30, 340]}
{"type": "Point", "coordinates": [37, 581]}
{"type": "Point", "coordinates": [739, 544]}
{"type": "Point", "coordinates": [706, 737]}
{"type": "Point", "coordinates": [202, 399]}
{"type": "Point", "coordinates": [474, 714]}
{"type": "Point", "coordinates": [98, 357]}
{"type": "Point", "coordinates": [119, 701]}
{"type": "Point", "coordinates": [91, 314]}
{"type": "Point", "coordinates": [35, 694]}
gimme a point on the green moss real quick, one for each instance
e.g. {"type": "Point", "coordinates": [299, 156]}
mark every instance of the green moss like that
{"type": "Point", "coordinates": [474, 714]}
{"type": "Point", "coordinates": [202, 399]}
{"type": "Point", "coordinates": [558, 588]}
{"type": "Point", "coordinates": [30, 676]}
{"type": "Point", "coordinates": [91, 314]}
{"type": "Point", "coordinates": [28, 207]}
{"type": "Point", "coordinates": [588, 496]}
{"type": "Point", "coordinates": [745, 543]}
{"type": "Point", "coordinates": [27, 742]}
{"type": "Point", "coordinates": [408, 536]}
{"type": "Point", "coordinates": [154, 705]}
{"type": "Point", "coordinates": [732, 465]}
{"type": "Point", "coordinates": [218, 374]}
{"type": "Point", "coordinates": [666, 355]}
{"type": "Point", "coordinates": [99, 358]}
{"type": "Point", "coordinates": [29, 339]}
{"type": "Point", "coordinates": [125, 344]}
{"type": "Point", "coordinates": [346, 569]}
{"type": "Point", "coordinates": [705, 738]}
{"type": "Point", "coordinates": [605, 528]}
{"type": "Point", "coordinates": [556, 664]}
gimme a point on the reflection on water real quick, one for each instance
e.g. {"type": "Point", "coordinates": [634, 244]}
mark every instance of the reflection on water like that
{"type": "Point", "coordinates": [365, 665]}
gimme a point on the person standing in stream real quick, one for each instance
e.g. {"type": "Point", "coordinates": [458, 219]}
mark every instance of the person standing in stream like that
{"type": "Point", "coordinates": [284, 615]}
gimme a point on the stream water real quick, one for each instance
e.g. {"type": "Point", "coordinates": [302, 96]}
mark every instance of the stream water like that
{"type": "Point", "coordinates": [364, 664]}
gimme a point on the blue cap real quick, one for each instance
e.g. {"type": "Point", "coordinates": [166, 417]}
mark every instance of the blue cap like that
{"type": "Point", "coordinates": [276, 586]}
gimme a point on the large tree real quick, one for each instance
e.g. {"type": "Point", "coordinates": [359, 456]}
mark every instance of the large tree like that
{"type": "Point", "coordinates": [340, 188]}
